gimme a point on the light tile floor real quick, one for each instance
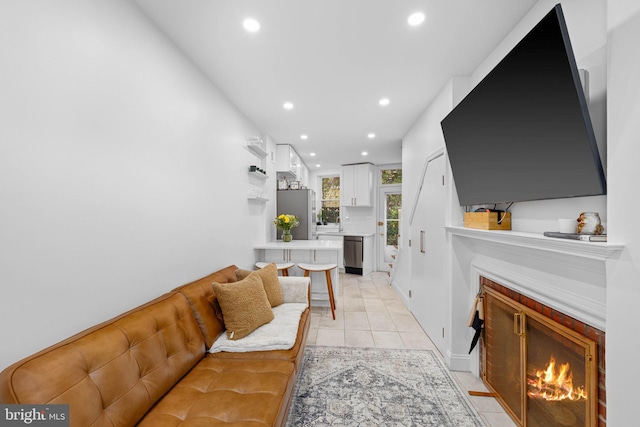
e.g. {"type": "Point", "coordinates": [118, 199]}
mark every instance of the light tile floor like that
{"type": "Point", "coordinates": [370, 313]}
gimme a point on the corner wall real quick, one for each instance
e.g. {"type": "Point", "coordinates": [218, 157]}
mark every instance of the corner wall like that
{"type": "Point", "coordinates": [123, 170]}
{"type": "Point", "coordinates": [623, 273]}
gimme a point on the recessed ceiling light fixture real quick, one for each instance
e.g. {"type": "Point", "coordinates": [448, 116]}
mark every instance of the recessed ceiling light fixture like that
{"type": "Point", "coordinates": [287, 106]}
{"type": "Point", "coordinates": [312, 154]}
{"type": "Point", "coordinates": [318, 166]}
{"type": "Point", "coordinates": [384, 101]}
{"type": "Point", "coordinates": [416, 19]}
{"type": "Point", "coordinates": [371, 135]}
{"type": "Point", "coordinates": [251, 25]}
{"type": "Point", "coordinates": [364, 153]}
{"type": "Point", "coordinates": [304, 137]}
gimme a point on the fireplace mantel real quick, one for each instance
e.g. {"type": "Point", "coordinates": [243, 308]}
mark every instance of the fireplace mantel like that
{"type": "Point", "coordinates": [567, 275]}
{"type": "Point", "coordinates": [577, 248]}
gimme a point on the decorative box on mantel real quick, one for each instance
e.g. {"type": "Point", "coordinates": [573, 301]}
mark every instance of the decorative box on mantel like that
{"type": "Point", "coordinates": [488, 220]}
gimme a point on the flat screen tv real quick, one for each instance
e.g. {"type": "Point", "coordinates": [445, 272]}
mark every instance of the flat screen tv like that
{"type": "Point", "coordinates": [524, 132]}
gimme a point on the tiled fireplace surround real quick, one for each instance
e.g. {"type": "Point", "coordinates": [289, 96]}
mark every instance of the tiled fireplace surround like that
{"type": "Point", "coordinates": [563, 280]}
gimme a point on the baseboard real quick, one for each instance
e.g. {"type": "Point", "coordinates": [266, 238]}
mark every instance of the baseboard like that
{"type": "Point", "coordinates": [402, 295]}
{"type": "Point", "coordinates": [458, 362]}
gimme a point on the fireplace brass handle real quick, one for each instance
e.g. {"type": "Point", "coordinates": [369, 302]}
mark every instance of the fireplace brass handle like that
{"type": "Point", "coordinates": [518, 324]}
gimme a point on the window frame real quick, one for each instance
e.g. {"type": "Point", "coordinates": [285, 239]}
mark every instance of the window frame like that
{"type": "Point", "coordinates": [323, 200]}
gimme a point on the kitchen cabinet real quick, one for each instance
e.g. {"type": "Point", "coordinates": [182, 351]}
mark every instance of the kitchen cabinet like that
{"type": "Point", "coordinates": [356, 182]}
{"type": "Point", "coordinates": [290, 166]}
{"type": "Point", "coordinates": [303, 175]}
{"type": "Point", "coordinates": [288, 162]}
{"type": "Point", "coordinates": [336, 238]}
{"type": "Point", "coordinates": [367, 248]}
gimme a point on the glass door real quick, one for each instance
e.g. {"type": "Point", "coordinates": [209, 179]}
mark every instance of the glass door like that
{"type": "Point", "coordinates": [543, 373]}
{"type": "Point", "coordinates": [503, 364]}
{"type": "Point", "coordinates": [560, 386]}
{"type": "Point", "coordinates": [389, 228]}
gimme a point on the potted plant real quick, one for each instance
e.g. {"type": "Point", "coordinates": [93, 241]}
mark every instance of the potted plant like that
{"type": "Point", "coordinates": [321, 220]}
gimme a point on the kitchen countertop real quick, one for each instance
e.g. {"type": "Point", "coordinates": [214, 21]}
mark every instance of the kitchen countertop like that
{"type": "Point", "coordinates": [342, 233]}
{"type": "Point", "coordinates": [316, 245]}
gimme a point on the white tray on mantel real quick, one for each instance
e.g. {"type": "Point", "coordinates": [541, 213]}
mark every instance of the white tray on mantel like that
{"type": "Point", "coordinates": [594, 250]}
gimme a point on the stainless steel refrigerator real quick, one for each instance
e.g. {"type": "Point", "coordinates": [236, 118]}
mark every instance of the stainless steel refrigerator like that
{"type": "Point", "coordinates": [301, 203]}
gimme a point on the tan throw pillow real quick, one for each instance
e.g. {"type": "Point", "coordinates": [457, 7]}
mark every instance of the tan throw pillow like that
{"type": "Point", "coordinates": [244, 305]}
{"type": "Point", "coordinates": [242, 274]}
{"type": "Point", "coordinates": [269, 276]}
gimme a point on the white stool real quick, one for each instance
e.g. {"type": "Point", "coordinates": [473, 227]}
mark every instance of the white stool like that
{"type": "Point", "coordinates": [315, 268]}
{"type": "Point", "coordinates": [284, 267]}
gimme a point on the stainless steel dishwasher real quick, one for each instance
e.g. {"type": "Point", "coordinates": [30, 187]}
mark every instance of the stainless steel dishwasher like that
{"type": "Point", "coordinates": [353, 254]}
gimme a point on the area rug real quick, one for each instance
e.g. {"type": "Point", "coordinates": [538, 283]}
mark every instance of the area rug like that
{"type": "Point", "coordinates": [341, 386]}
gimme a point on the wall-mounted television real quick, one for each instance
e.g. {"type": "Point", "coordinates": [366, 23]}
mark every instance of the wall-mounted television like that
{"type": "Point", "coordinates": [524, 132]}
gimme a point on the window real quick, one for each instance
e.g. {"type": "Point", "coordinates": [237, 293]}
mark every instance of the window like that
{"type": "Point", "coordinates": [390, 176]}
{"type": "Point", "coordinates": [330, 201]}
{"type": "Point", "coordinates": [393, 208]}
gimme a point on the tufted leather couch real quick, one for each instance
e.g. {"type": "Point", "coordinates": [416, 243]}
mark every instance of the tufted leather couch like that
{"type": "Point", "coordinates": [149, 367]}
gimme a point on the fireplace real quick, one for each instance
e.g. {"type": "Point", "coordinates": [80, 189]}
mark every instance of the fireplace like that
{"type": "Point", "coordinates": [543, 366]}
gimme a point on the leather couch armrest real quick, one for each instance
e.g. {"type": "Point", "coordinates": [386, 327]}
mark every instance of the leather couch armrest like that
{"type": "Point", "coordinates": [295, 288]}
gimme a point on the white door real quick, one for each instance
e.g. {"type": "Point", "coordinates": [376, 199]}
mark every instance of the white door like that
{"type": "Point", "coordinates": [428, 301]}
{"type": "Point", "coordinates": [389, 215]}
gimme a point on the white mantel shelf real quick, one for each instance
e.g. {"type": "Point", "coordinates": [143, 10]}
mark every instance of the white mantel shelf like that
{"type": "Point", "coordinates": [594, 250]}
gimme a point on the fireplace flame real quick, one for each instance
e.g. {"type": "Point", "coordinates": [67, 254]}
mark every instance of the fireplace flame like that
{"type": "Point", "coordinates": [554, 384]}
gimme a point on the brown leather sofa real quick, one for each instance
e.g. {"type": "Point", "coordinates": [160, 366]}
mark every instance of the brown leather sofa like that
{"type": "Point", "coordinates": [150, 367]}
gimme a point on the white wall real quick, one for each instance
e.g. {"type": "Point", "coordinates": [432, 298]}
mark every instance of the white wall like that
{"type": "Point", "coordinates": [623, 274]}
{"type": "Point", "coordinates": [418, 144]}
{"type": "Point", "coordinates": [122, 170]}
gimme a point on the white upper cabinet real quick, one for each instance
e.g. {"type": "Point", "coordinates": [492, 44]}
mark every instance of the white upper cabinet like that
{"type": "Point", "coordinates": [356, 183]}
{"type": "Point", "coordinates": [303, 175]}
{"type": "Point", "coordinates": [290, 165]}
{"type": "Point", "coordinates": [287, 161]}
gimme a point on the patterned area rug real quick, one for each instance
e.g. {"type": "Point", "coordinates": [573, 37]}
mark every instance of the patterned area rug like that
{"type": "Point", "coordinates": [340, 386]}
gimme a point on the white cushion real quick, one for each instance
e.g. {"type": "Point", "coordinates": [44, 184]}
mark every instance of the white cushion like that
{"type": "Point", "coordinates": [279, 334]}
{"type": "Point", "coordinates": [295, 288]}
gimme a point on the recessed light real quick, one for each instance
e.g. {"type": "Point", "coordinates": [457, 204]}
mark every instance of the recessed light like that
{"type": "Point", "coordinates": [251, 25]}
{"type": "Point", "coordinates": [416, 19]}
{"type": "Point", "coordinates": [287, 106]}
{"type": "Point", "coordinates": [304, 137]}
{"type": "Point", "coordinates": [371, 135]}
{"type": "Point", "coordinates": [384, 101]}
{"type": "Point", "coordinates": [364, 153]}
{"type": "Point", "coordinates": [317, 166]}
{"type": "Point", "coordinates": [312, 154]}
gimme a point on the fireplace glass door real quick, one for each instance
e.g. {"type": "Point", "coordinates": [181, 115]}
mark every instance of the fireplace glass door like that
{"type": "Point", "coordinates": [502, 349]}
{"type": "Point", "coordinates": [543, 373]}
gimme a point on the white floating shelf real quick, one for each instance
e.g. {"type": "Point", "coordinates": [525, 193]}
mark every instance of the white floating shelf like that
{"type": "Point", "coordinates": [257, 199]}
{"type": "Point", "coordinates": [259, 175]}
{"type": "Point", "coordinates": [257, 150]}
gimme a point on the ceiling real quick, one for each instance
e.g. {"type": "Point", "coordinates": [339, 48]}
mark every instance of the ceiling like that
{"type": "Point", "coordinates": [334, 60]}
